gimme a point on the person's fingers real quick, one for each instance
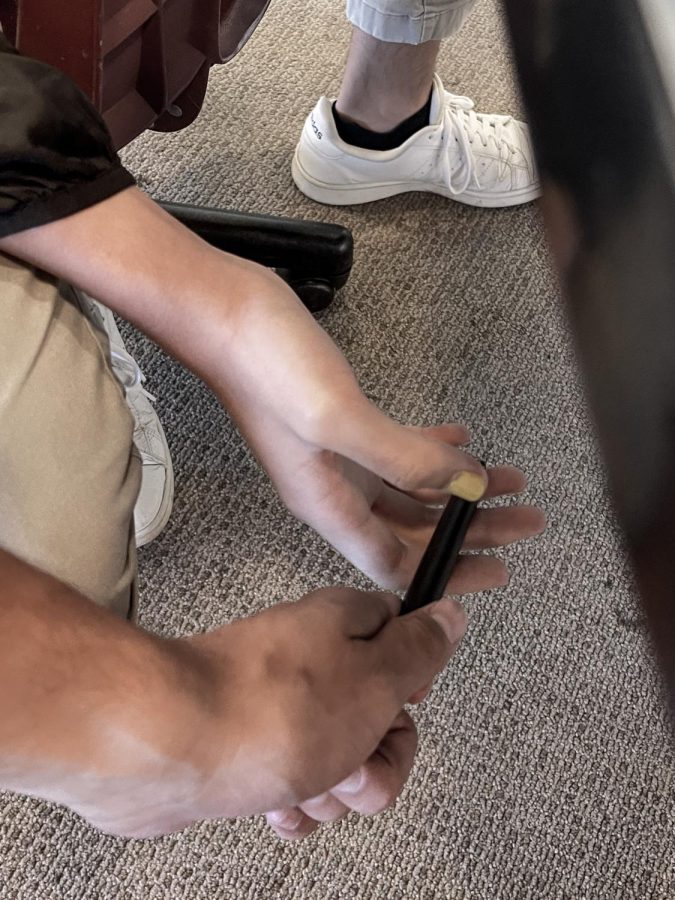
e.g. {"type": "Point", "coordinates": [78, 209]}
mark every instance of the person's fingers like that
{"type": "Point", "coordinates": [378, 782]}
{"type": "Point", "coordinates": [477, 573]}
{"type": "Point", "coordinates": [324, 808]}
{"type": "Point", "coordinates": [420, 695]}
{"type": "Point", "coordinates": [407, 458]}
{"type": "Point", "coordinates": [414, 522]}
{"type": "Point", "coordinates": [393, 554]}
{"type": "Point", "coordinates": [339, 510]}
{"type": "Point", "coordinates": [360, 614]}
{"type": "Point", "coordinates": [451, 432]}
{"type": "Point", "coordinates": [411, 650]}
{"type": "Point", "coordinates": [405, 512]}
{"type": "Point", "coordinates": [291, 824]}
{"type": "Point", "coordinates": [506, 525]}
{"type": "Point", "coordinates": [372, 788]}
{"type": "Point", "coordinates": [502, 481]}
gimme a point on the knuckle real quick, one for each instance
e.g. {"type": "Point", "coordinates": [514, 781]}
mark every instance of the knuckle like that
{"type": "Point", "coordinates": [427, 637]}
{"type": "Point", "coordinates": [408, 475]}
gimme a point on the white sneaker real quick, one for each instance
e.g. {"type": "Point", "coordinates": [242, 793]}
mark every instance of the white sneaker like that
{"type": "Point", "coordinates": [155, 499]}
{"type": "Point", "coordinates": [474, 158]}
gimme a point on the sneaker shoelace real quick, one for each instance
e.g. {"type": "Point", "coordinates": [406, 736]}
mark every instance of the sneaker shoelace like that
{"type": "Point", "coordinates": [132, 379]}
{"type": "Point", "coordinates": [461, 119]}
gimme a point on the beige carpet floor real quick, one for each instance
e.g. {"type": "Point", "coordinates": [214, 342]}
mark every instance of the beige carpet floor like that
{"type": "Point", "coordinates": [544, 769]}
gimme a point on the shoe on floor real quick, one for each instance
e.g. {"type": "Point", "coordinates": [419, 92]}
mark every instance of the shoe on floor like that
{"type": "Point", "coordinates": [475, 158]}
{"type": "Point", "coordinates": [155, 499]}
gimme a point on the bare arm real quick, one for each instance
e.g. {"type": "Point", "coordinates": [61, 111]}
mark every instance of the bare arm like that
{"type": "Point", "coordinates": [189, 297]}
{"type": "Point", "coordinates": [330, 452]}
{"type": "Point", "coordinates": [143, 735]}
{"type": "Point", "coordinates": [82, 689]}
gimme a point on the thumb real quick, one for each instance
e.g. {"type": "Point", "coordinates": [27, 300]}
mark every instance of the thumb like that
{"type": "Point", "coordinates": [416, 647]}
{"type": "Point", "coordinates": [408, 458]}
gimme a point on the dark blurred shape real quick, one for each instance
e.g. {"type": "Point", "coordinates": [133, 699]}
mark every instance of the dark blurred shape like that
{"type": "Point", "coordinates": [597, 79]}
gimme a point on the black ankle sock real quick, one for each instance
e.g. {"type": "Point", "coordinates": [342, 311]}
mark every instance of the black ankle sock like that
{"type": "Point", "coordinates": [357, 136]}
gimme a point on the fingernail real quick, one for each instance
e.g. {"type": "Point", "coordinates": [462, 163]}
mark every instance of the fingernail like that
{"type": "Point", "coordinates": [450, 615]}
{"type": "Point", "coordinates": [352, 784]}
{"type": "Point", "coordinates": [288, 819]}
{"type": "Point", "coordinates": [468, 485]}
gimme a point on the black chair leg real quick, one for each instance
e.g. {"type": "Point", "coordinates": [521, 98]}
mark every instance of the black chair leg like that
{"type": "Point", "coordinates": [315, 258]}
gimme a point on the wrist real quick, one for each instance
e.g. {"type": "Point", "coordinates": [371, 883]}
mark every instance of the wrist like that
{"type": "Point", "coordinates": [84, 690]}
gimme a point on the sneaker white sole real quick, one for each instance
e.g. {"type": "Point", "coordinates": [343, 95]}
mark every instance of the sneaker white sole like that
{"type": "Point", "coordinates": [159, 523]}
{"type": "Point", "coordinates": [352, 194]}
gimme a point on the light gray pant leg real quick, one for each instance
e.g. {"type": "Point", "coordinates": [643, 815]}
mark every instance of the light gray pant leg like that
{"type": "Point", "coordinates": [409, 21]}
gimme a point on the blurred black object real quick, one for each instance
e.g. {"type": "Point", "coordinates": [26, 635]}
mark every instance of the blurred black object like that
{"type": "Point", "coordinates": [599, 84]}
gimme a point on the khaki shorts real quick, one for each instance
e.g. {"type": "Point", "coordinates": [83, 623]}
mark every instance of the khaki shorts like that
{"type": "Point", "coordinates": [409, 21]}
{"type": "Point", "coordinates": [69, 471]}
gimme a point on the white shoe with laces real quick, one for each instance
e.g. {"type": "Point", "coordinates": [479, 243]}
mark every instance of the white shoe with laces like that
{"type": "Point", "coordinates": [155, 499]}
{"type": "Point", "coordinates": [475, 158]}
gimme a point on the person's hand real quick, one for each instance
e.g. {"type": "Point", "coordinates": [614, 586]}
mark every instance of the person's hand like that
{"type": "Point", "coordinates": [371, 789]}
{"type": "Point", "coordinates": [374, 786]}
{"type": "Point", "coordinates": [264, 713]}
{"type": "Point", "coordinates": [372, 487]}
{"type": "Point", "coordinates": [340, 464]}
{"type": "Point", "coordinates": [142, 735]}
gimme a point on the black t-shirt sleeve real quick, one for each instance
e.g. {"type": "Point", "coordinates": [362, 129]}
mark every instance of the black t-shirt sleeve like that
{"type": "Point", "coordinates": [56, 156]}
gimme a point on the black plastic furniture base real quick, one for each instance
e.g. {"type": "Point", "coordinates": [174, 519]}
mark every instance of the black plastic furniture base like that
{"type": "Point", "coordinates": [315, 258]}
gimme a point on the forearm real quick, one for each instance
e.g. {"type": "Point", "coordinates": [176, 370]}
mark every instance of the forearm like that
{"type": "Point", "coordinates": [133, 257]}
{"type": "Point", "coordinates": [86, 697]}
{"type": "Point", "coordinates": [197, 302]}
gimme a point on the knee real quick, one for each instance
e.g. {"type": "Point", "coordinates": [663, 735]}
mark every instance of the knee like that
{"type": "Point", "coordinates": [68, 474]}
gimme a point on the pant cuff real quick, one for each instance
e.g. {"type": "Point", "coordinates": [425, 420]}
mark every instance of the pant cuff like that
{"type": "Point", "coordinates": [403, 28]}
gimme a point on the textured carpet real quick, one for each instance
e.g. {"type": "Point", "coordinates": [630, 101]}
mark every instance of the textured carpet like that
{"type": "Point", "coordinates": [544, 769]}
